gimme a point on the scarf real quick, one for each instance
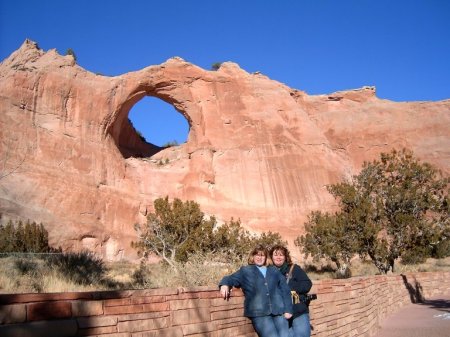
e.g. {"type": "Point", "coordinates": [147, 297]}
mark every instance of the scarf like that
{"type": "Point", "coordinates": [284, 268]}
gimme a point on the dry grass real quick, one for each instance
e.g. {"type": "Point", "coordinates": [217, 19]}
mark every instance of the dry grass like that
{"type": "Point", "coordinates": [428, 265]}
{"type": "Point", "coordinates": [121, 271]}
{"type": "Point", "coordinates": [38, 275]}
{"type": "Point", "coordinates": [324, 270]}
{"type": "Point", "coordinates": [200, 270]}
{"type": "Point", "coordinates": [14, 279]}
{"type": "Point", "coordinates": [34, 275]}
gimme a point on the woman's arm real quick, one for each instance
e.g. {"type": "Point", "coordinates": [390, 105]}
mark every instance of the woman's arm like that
{"type": "Point", "coordinates": [233, 280]}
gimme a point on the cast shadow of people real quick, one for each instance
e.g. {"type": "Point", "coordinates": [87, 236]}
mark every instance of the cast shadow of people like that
{"type": "Point", "coordinates": [415, 291]}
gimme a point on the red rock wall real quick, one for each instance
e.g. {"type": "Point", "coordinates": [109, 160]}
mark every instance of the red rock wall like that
{"type": "Point", "coordinates": [257, 150]}
{"type": "Point", "coordinates": [351, 307]}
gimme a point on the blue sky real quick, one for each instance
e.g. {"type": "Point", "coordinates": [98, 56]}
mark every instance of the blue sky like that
{"type": "Point", "coordinates": [320, 46]}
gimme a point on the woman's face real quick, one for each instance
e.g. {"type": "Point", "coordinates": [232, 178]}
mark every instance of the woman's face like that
{"type": "Point", "coordinates": [259, 258]}
{"type": "Point", "coordinates": [278, 258]}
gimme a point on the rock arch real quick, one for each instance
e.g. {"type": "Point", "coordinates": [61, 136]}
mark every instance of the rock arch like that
{"type": "Point", "coordinates": [158, 122]}
{"type": "Point", "coordinates": [127, 139]}
{"type": "Point", "coordinates": [257, 150]}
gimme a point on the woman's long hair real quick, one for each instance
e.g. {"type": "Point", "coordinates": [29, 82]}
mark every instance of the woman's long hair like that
{"type": "Point", "coordinates": [282, 249]}
{"type": "Point", "coordinates": [255, 251]}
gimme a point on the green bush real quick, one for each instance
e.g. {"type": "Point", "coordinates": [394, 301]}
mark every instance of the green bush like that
{"type": "Point", "coordinates": [140, 277]}
{"type": "Point", "coordinates": [72, 53]}
{"type": "Point", "coordinates": [26, 266]}
{"type": "Point", "coordinates": [395, 207]}
{"type": "Point", "coordinates": [415, 256]}
{"type": "Point", "coordinates": [215, 66]}
{"type": "Point", "coordinates": [170, 144]}
{"type": "Point", "coordinates": [442, 249]}
{"type": "Point", "coordinates": [177, 230]}
{"type": "Point", "coordinates": [31, 274]}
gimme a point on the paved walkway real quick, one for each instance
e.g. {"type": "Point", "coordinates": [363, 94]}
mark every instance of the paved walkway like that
{"type": "Point", "coordinates": [428, 319]}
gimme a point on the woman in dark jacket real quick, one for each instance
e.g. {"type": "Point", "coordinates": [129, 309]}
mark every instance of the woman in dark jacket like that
{"type": "Point", "coordinates": [267, 301]}
{"type": "Point", "coordinates": [299, 282]}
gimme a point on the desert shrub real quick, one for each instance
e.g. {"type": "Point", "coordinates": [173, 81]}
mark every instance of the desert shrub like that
{"type": "Point", "coordinates": [170, 144]}
{"type": "Point", "coordinates": [329, 236]}
{"type": "Point", "coordinates": [178, 229]}
{"type": "Point", "coordinates": [141, 276]}
{"type": "Point", "coordinates": [442, 249]}
{"type": "Point", "coordinates": [82, 268]}
{"type": "Point", "coordinates": [30, 274]}
{"type": "Point", "coordinates": [216, 65]}
{"type": "Point", "coordinates": [26, 266]}
{"type": "Point", "coordinates": [72, 53]}
{"type": "Point", "coordinates": [415, 255]}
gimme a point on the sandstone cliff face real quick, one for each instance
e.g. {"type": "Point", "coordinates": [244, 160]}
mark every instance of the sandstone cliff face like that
{"type": "Point", "coordinates": [257, 150]}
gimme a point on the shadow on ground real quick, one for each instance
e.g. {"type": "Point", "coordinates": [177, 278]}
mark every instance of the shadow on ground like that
{"type": "Point", "coordinates": [439, 304]}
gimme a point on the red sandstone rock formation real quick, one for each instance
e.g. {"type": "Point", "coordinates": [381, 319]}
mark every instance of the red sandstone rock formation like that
{"type": "Point", "coordinates": [257, 150]}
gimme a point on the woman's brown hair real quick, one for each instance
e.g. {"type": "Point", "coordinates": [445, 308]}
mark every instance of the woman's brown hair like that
{"type": "Point", "coordinates": [282, 249]}
{"type": "Point", "coordinates": [255, 251]}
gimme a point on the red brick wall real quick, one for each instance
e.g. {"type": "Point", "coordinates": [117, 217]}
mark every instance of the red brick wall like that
{"type": "Point", "coordinates": [350, 307]}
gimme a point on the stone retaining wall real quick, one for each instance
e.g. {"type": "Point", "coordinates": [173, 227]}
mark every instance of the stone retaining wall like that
{"type": "Point", "coordinates": [349, 307]}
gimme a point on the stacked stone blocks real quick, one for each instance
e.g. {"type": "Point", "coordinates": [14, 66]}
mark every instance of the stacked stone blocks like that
{"type": "Point", "coordinates": [348, 307]}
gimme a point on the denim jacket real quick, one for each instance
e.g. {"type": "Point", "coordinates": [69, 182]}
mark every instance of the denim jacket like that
{"type": "Point", "coordinates": [263, 295]}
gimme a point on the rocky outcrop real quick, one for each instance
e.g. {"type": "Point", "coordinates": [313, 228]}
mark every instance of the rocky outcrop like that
{"type": "Point", "coordinates": [257, 150]}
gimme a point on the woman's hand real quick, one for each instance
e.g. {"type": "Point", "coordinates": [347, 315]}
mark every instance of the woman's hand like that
{"type": "Point", "coordinates": [287, 315]}
{"type": "Point", "coordinates": [225, 292]}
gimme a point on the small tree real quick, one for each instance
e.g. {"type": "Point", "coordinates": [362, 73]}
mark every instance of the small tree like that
{"type": "Point", "coordinates": [397, 206]}
{"type": "Point", "coordinates": [72, 53]}
{"type": "Point", "coordinates": [173, 230]}
{"type": "Point", "coordinates": [170, 144]}
{"type": "Point", "coordinates": [35, 238]}
{"type": "Point", "coordinates": [7, 237]}
{"type": "Point", "coordinates": [178, 230]}
{"type": "Point", "coordinates": [329, 236]}
{"type": "Point", "coordinates": [408, 199]}
{"type": "Point", "coordinates": [215, 66]}
{"type": "Point", "coordinates": [268, 240]}
{"type": "Point", "coordinates": [231, 239]}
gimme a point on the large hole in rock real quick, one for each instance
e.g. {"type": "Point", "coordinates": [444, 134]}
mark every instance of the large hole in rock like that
{"type": "Point", "coordinates": [158, 122]}
{"type": "Point", "coordinates": [152, 125]}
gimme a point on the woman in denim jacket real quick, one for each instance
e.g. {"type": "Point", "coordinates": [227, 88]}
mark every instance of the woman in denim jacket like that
{"type": "Point", "coordinates": [267, 301]}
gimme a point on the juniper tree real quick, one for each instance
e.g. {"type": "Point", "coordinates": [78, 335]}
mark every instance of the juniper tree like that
{"type": "Point", "coordinates": [177, 229]}
{"type": "Point", "coordinates": [396, 206]}
{"type": "Point", "coordinates": [329, 236]}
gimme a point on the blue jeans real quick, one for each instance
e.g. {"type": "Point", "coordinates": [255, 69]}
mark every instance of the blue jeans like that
{"type": "Point", "coordinates": [271, 326]}
{"type": "Point", "coordinates": [301, 327]}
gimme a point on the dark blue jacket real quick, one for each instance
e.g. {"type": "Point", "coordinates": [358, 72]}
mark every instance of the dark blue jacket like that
{"type": "Point", "coordinates": [263, 295]}
{"type": "Point", "coordinates": [301, 283]}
